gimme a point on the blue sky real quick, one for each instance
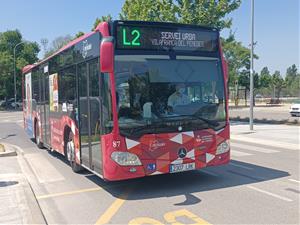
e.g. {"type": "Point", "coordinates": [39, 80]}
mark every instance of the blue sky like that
{"type": "Point", "coordinates": [276, 24]}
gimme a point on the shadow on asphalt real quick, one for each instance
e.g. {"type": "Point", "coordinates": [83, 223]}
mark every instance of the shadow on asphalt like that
{"type": "Point", "coordinates": [8, 136]}
{"type": "Point", "coordinates": [8, 183]}
{"type": "Point", "coordinates": [186, 183]}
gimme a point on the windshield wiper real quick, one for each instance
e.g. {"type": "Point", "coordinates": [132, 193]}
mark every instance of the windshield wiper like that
{"type": "Point", "coordinates": [195, 116]}
{"type": "Point", "coordinates": [147, 128]}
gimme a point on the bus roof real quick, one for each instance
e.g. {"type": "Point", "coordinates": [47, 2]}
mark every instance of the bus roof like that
{"type": "Point", "coordinates": [27, 68]}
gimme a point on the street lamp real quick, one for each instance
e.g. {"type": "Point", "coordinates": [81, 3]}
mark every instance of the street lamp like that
{"type": "Point", "coordinates": [251, 67]}
{"type": "Point", "coordinates": [15, 80]}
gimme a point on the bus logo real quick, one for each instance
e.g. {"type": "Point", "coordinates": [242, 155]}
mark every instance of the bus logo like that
{"type": "Point", "coordinates": [182, 153]}
{"type": "Point", "coordinates": [156, 144]}
{"type": "Point", "coordinates": [86, 47]}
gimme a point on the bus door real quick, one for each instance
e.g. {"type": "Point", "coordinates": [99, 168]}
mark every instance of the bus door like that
{"type": "Point", "coordinates": [89, 114]}
{"type": "Point", "coordinates": [45, 109]}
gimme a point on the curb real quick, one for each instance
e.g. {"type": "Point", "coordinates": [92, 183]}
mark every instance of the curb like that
{"type": "Point", "coordinates": [265, 121]}
{"type": "Point", "coordinates": [9, 150]}
{"type": "Point", "coordinates": [37, 213]}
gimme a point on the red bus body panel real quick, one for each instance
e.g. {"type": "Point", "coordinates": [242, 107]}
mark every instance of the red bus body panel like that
{"type": "Point", "coordinates": [159, 151]}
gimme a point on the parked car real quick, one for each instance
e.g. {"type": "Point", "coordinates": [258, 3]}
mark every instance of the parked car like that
{"type": "Point", "coordinates": [18, 103]}
{"type": "Point", "coordinates": [295, 108]}
{"type": "Point", "coordinates": [10, 103]}
{"type": "Point", "coordinates": [2, 102]}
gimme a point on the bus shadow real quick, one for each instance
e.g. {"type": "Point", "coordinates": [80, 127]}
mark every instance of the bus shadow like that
{"type": "Point", "coordinates": [236, 173]}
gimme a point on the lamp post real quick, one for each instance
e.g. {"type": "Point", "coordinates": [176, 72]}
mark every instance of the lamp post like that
{"type": "Point", "coordinates": [15, 80]}
{"type": "Point", "coordinates": [251, 67]}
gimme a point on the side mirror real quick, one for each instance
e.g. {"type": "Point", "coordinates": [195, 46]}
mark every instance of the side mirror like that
{"type": "Point", "coordinates": [107, 55]}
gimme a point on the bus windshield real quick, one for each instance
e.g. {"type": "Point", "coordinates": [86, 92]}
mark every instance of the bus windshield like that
{"type": "Point", "coordinates": [158, 94]}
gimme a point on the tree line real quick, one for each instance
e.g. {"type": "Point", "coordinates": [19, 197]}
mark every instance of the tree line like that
{"type": "Point", "coordinates": [200, 12]}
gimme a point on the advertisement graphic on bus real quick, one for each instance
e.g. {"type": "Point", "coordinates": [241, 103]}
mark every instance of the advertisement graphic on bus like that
{"type": "Point", "coordinates": [53, 92]}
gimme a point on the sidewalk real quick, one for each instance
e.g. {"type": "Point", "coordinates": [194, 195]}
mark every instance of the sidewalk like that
{"type": "Point", "coordinates": [280, 136]}
{"type": "Point", "coordinates": [18, 204]}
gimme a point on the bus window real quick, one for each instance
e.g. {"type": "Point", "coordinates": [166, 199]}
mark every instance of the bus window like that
{"type": "Point", "coordinates": [67, 89]}
{"type": "Point", "coordinates": [106, 103]}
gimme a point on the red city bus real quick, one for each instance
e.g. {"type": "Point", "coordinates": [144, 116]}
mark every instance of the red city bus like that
{"type": "Point", "coordinates": [132, 99]}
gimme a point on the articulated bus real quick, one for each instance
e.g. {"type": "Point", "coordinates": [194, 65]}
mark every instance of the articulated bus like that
{"type": "Point", "coordinates": [132, 99]}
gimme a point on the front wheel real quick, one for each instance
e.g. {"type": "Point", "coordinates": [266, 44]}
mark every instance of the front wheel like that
{"type": "Point", "coordinates": [71, 155]}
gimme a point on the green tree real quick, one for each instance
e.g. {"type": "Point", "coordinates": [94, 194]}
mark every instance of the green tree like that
{"type": "Point", "coordinates": [102, 19]}
{"type": "Point", "coordinates": [238, 58]}
{"type": "Point", "coordinates": [202, 12]}
{"type": "Point", "coordinates": [58, 43]}
{"type": "Point", "coordinates": [79, 34]}
{"type": "Point", "coordinates": [278, 84]}
{"type": "Point", "coordinates": [292, 80]}
{"type": "Point", "coordinates": [291, 74]}
{"type": "Point", "coordinates": [26, 53]}
{"type": "Point", "coordinates": [295, 86]}
{"type": "Point", "coordinates": [149, 10]}
{"type": "Point", "coordinates": [265, 78]}
{"type": "Point", "coordinates": [265, 82]}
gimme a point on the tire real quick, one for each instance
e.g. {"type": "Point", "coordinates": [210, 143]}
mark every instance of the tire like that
{"type": "Point", "coordinates": [71, 155]}
{"type": "Point", "coordinates": [38, 142]}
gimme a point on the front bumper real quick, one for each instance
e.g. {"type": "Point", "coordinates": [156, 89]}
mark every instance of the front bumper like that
{"type": "Point", "coordinates": [116, 172]}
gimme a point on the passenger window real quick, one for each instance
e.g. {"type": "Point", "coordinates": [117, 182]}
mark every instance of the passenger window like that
{"type": "Point", "coordinates": [67, 90]}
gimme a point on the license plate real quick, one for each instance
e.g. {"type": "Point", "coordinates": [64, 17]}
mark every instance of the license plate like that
{"type": "Point", "coordinates": [174, 168]}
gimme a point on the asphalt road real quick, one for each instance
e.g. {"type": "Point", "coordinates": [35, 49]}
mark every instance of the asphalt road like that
{"type": "Point", "coordinates": [261, 185]}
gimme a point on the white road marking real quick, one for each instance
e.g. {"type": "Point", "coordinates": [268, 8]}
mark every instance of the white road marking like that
{"type": "Point", "coordinates": [240, 166]}
{"type": "Point", "coordinates": [43, 169]}
{"type": "Point", "coordinates": [270, 194]}
{"type": "Point", "coordinates": [238, 153]}
{"type": "Point", "coordinates": [6, 117]}
{"type": "Point", "coordinates": [252, 148]}
{"type": "Point", "coordinates": [297, 181]}
{"type": "Point", "coordinates": [277, 144]}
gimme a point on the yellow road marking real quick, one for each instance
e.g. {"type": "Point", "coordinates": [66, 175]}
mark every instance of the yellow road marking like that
{"type": "Point", "coordinates": [69, 193]}
{"type": "Point", "coordinates": [113, 209]}
{"type": "Point", "coordinates": [144, 220]}
{"type": "Point", "coordinates": [171, 217]}
{"type": "Point", "coordinates": [78, 191]}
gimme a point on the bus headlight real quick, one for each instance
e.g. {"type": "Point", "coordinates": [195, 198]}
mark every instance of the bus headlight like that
{"type": "Point", "coordinates": [126, 159]}
{"type": "Point", "coordinates": [223, 147]}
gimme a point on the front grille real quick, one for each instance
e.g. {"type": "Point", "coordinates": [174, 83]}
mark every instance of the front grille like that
{"type": "Point", "coordinates": [295, 108]}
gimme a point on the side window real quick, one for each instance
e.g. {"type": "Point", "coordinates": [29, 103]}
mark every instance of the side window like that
{"type": "Point", "coordinates": [46, 88]}
{"type": "Point", "coordinates": [106, 102]}
{"type": "Point", "coordinates": [67, 88]}
{"type": "Point", "coordinates": [35, 87]}
{"type": "Point", "coordinates": [24, 93]}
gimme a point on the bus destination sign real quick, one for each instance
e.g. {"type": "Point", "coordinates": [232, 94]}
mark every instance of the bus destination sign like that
{"type": "Point", "coordinates": [162, 38]}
